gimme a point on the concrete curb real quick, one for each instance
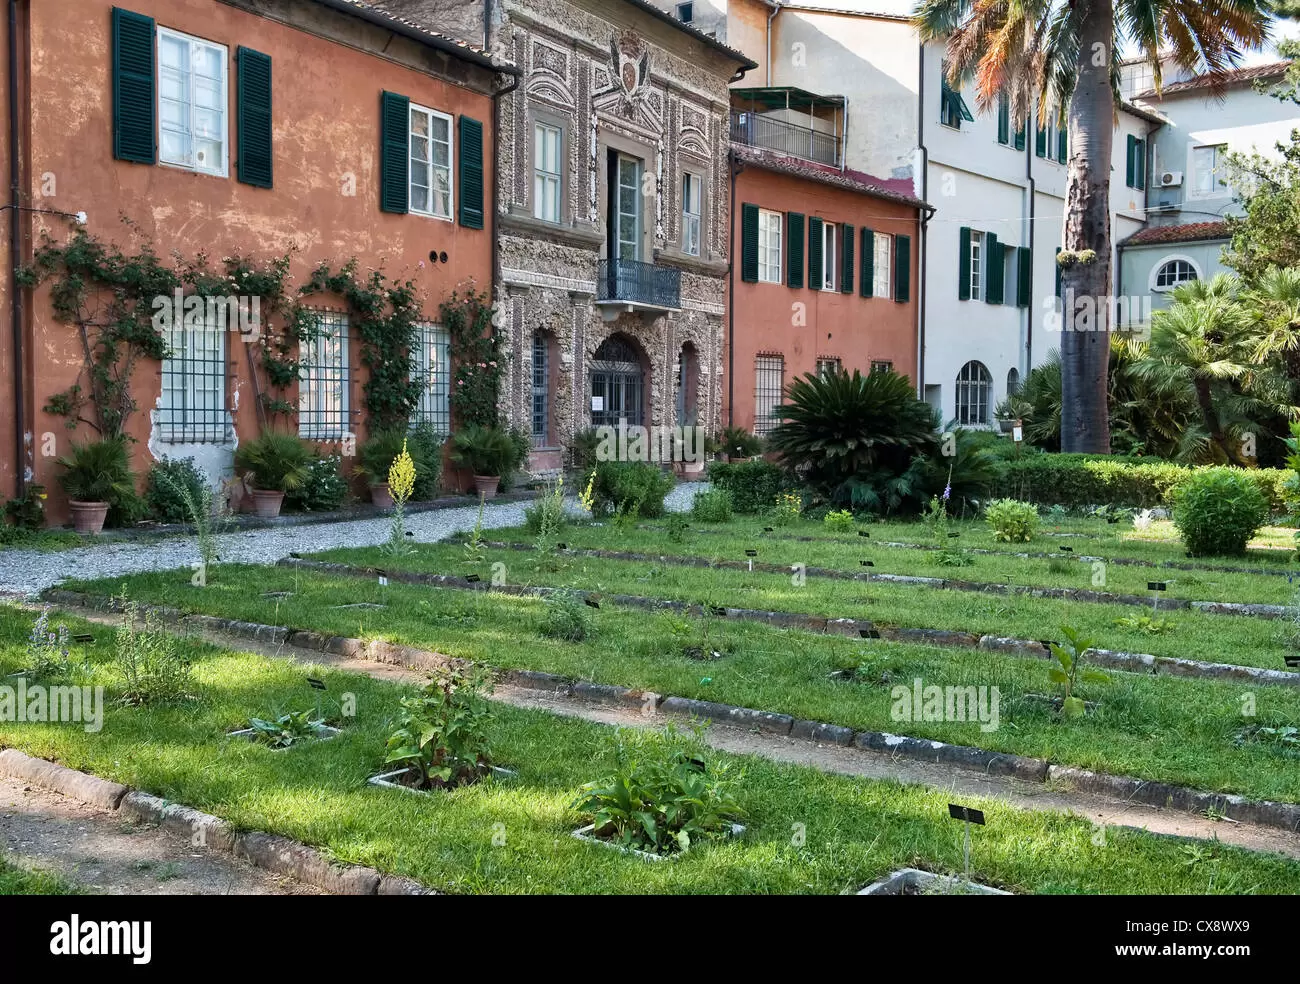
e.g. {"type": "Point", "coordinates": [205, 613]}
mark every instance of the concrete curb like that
{"type": "Point", "coordinates": [270, 852]}
{"type": "Point", "coordinates": [1264, 813]}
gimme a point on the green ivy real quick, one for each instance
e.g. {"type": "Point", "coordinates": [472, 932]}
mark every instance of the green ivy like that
{"type": "Point", "coordinates": [476, 383]}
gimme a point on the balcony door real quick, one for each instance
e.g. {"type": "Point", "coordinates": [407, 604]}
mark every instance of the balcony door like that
{"type": "Point", "coordinates": [625, 229]}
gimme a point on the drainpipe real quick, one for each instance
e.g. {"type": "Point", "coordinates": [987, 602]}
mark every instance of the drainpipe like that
{"type": "Point", "coordinates": [776, 9]}
{"type": "Point", "coordinates": [15, 259]}
{"type": "Point", "coordinates": [923, 244]}
{"type": "Point", "coordinates": [1033, 211]}
{"type": "Point", "coordinates": [488, 39]}
{"type": "Point", "coordinates": [736, 168]}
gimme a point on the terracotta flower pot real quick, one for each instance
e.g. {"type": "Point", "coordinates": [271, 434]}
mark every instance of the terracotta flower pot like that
{"type": "Point", "coordinates": [88, 517]}
{"type": "Point", "coordinates": [381, 496]}
{"type": "Point", "coordinates": [486, 485]}
{"type": "Point", "coordinates": [266, 503]}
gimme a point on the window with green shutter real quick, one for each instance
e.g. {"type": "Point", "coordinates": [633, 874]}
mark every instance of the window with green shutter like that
{"type": "Point", "coordinates": [868, 285]}
{"type": "Point", "coordinates": [749, 243]}
{"type": "Point", "coordinates": [1024, 275]}
{"type": "Point", "coordinates": [963, 264]}
{"type": "Point", "coordinates": [1135, 173]}
{"type": "Point", "coordinates": [902, 269]}
{"type": "Point", "coordinates": [1004, 119]}
{"type": "Point", "coordinates": [846, 259]}
{"type": "Point", "coordinates": [995, 279]}
{"type": "Point", "coordinates": [133, 88]}
{"type": "Point", "coordinates": [1062, 143]}
{"type": "Point", "coordinates": [952, 107]}
{"type": "Point", "coordinates": [254, 109]}
{"type": "Point", "coordinates": [1020, 136]}
{"type": "Point", "coordinates": [794, 249]}
{"type": "Point", "coordinates": [394, 152]}
{"type": "Point", "coordinates": [1040, 142]}
{"type": "Point", "coordinates": [471, 173]}
{"type": "Point", "coordinates": [816, 269]}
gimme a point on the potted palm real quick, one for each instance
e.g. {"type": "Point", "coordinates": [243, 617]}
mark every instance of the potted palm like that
{"type": "Point", "coordinates": [277, 463]}
{"type": "Point", "coordinates": [375, 457]}
{"type": "Point", "coordinates": [95, 477]}
{"type": "Point", "coordinates": [1010, 409]}
{"type": "Point", "coordinates": [488, 452]}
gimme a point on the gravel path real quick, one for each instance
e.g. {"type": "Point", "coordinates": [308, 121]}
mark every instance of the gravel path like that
{"type": "Point", "coordinates": [26, 572]}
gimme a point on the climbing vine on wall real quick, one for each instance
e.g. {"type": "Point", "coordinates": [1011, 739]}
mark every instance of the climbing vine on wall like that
{"type": "Point", "coordinates": [476, 380]}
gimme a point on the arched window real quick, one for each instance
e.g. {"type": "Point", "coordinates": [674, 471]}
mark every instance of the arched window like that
{"type": "Point", "coordinates": [541, 388]}
{"type": "Point", "coordinates": [1013, 382]}
{"type": "Point", "coordinates": [1173, 272]}
{"type": "Point", "coordinates": [974, 389]}
{"type": "Point", "coordinates": [617, 384]}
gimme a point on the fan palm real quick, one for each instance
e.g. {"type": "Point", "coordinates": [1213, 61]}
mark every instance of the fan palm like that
{"type": "Point", "coordinates": [1048, 53]}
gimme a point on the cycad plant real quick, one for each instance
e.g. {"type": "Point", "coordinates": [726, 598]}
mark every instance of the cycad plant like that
{"type": "Point", "coordinates": [855, 439]}
{"type": "Point", "coordinates": [100, 471]}
{"type": "Point", "coordinates": [279, 462]}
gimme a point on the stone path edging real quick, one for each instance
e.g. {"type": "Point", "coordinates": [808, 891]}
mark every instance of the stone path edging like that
{"type": "Point", "coordinates": [1266, 813]}
{"type": "Point", "coordinates": [1142, 663]}
{"type": "Point", "coordinates": [274, 853]}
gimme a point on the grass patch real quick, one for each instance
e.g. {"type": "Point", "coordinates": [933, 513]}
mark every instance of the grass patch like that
{"type": "Point", "coordinates": [18, 880]}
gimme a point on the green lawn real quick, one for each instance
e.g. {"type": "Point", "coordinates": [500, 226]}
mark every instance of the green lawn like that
{"type": "Point", "coordinates": [854, 830]}
{"type": "Point", "coordinates": [1168, 728]}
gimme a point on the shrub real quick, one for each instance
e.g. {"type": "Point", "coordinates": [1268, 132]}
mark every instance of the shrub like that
{"type": "Point", "coordinates": [736, 442]}
{"type": "Point", "coordinates": [1012, 521]}
{"type": "Point", "coordinates": [678, 529]}
{"type": "Point", "coordinates": [100, 471]}
{"type": "Point", "coordinates": [753, 485]}
{"type": "Point", "coordinates": [166, 489]}
{"type": "Point", "coordinates": [425, 445]}
{"type": "Point", "coordinates": [441, 734]}
{"type": "Point", "coordinates": [713, 506]}
{"type": "Point", "coordinates": [323, 487]}
{"type": "Point", "coordinates": [483, 450]}
{"type": "Point", "coordinates": [1218, 510]}
{"type": "Point", "coordinates": [152, 668]}
{"type": "Point", "coordinates": [666, 794]}
{"type": "Point", "coordinates": [786, 508]}
{"type": "Point", "coordinates": [568, 617]}
{"type": "Point", "coordinates": [839, 521]}
{"type": "Point", "coordinates": [852, 438]}
{"type": "Point", "coordinates": [278, 462]}
{"type": "Point", "coordinates": [546, 515]}
{"type": "Point", "coordinates": [635, 485]}
{"type": "Point", "coordinates": [27, 511]}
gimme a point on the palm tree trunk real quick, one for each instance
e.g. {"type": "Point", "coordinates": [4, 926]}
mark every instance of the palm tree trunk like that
{"type": "Point", "coordinates": [1085, 354]}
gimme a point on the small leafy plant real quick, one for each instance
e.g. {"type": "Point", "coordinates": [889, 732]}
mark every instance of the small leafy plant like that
{"type": "Point", "coordinates": [1069, 670]}
{"type": "Point", "coordinates": [401, 486]}
{"type": "Point", "coordinates": [839, 521]}
{"type": "Point", "coordinates": [545, 519]}
{"type": "Point", "coordinates": [441, 735]}
{"type": "Point", "coordinates": [1147, 624]}
{"type": "Point", "coordinates": [1285, 739]}
{"type": "Point", "coordinates": [787, 509]}
{"type": "Point", "coordinates": [287, 729]}
{"type": "Point", "coordinates": [568, 617]}
{"type": "Point", "coordinates": [666, 793]}
{"type": "Point", "coordinates": [152, 667]}
{"type": "Point", "coordinates": [1012, 521]}
{"type": "Point", "coordinates": [475, 551]}
{"type": "Point", "coordinates": [47, 649]}
{"type": "Point", "coordinates": [678, 529]}
{"type": "Point", "coordinates": [713, 506]}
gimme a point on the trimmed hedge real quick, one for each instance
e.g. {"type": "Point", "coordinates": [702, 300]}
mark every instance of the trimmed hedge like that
{"type": "Point", "coordinates": [1078, 480]}
{"type": "Point", "coordinates": [754, 485]}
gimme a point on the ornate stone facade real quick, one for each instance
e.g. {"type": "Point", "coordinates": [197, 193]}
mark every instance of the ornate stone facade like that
{"type": "Point", "coordinates": [616, 83]}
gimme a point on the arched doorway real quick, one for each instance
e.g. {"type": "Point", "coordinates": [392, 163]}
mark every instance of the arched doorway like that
{"type": "Point", "coordinates": [688, 382]}
{"type": "Point", "coordinates": [617, 384]}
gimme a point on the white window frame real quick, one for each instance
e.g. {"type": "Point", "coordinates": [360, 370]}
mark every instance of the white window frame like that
{"type": "Point", "coordinates": [189, 164]}
{"type": "Point", "coordinates": [976, 265]}
{"type": "Point", "coordinates": [451, 165]}
{"type": "Point", "coordinates": [183, 345]}
{"type": "Point", "coordinates": [771, 233]}
{"type": "Point", "coordinates": [1154, 283]}
{"type": "Point", "coordinates": [830, 282]}
{"type": "Point", "coordinates": [882, 265]}
{"type": "Point", "coordinates": [829, 367]}
{"type": "Point", "coordinates": [315, 401]}
{"type": "Point", "coordinates": [977, 394]}
{"type": "Point", "coordinates": [434, 375]}
{"type": "Point", "coordinates": [548, 186]}
{"type": "Point", "coordinates": [1217, 172]}
{"type": "Point", "coordinates": [691, 182]}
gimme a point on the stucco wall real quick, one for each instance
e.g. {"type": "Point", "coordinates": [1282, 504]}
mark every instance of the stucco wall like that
{"type": "Point", "coordinates": [325, 200]}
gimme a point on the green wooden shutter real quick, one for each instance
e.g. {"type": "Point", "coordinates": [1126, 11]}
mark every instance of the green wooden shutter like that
{"type": "Point", "coordinates": [794, 249]}
{"type": "Point", "coordinates": [815, 245]}
{"type": "Point", "coordinates": [1020, 136]}
{"type": "Point", "coordinates": [847, 259]}
{"type": "Point", "coordinates": [471, 173]}
{"type": "Point", "coordinates": [1130, 172]}
{"type": "Point", "coordinates": [1040, 144]}
{"type": "Point", "coordinates": [1140, 164]}
{"type": "Point", "coordinates": [868, 286]}
{"type": "Point", "coordinates": [1062, 143]}
{"type": "Point", "coordinates": [995, 265]}
{"type": "Point", "coordinates": [963, 266]}
{"type": "Point", "coordinates": [254, 109]}
{"type": "Point", "coordinates": [1058, 271]}
{"type": "Point", "coordinates": [394, 153]}
{"type": "Point", "coordinates": [133, 88]}
{"type": "Point", "coordinates": [1024, 275]}
{"type": "Point", "coordinates": [749, 243]}
{"type": "Point", "coordinates": [1004, 119]}
{"type": "Point", "coordinates": [902, 269]}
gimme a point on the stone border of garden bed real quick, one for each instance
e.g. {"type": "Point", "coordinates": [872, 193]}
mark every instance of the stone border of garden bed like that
{"type": "Point", "coordinates": [1142, 663]}
{"type": "Point", "coordinates": [1232, 608]}
{"type": "Point", "coordinates": [272, 852]}
{"type": "Point", "coordinates": [1173, 565]}
{"type": "Point", "coordinates": [900, 881]}
{"type": "Point", "coordinates": [1264, 813]}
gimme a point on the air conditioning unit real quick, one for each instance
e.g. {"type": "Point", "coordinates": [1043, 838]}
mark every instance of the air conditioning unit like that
{"type": "Point", "coordinates": [1171, 179]}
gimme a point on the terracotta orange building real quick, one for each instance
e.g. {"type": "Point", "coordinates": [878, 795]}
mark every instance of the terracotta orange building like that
{"type": "Point", "coordinates": [827, 270]}
{"type": "Point", "coordinates": [237, 127]}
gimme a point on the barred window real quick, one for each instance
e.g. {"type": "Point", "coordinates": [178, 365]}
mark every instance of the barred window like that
{"type": "Point", "coordinates": [769, 371]}
{"type": "Point", "coordinates": [974, 390]}
{"type": "Point", "coordinates": [828, 367]}
{"type": "Point", "coordinates": [323, 380]}
{"type": "Point", "coordinates": [541, 391]}
{"type": "Point", "coordinates": [193, 409]}
{"type": "Point", "coordinates": [432, 364]}
{"type": "Point", "coordinates": [882, 365]}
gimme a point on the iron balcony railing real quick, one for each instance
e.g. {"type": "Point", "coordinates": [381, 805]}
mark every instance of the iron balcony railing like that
{"type": "Point", "coordinates": [758, 130]}
{"type": "Point", "coordinates": [639, 283]}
